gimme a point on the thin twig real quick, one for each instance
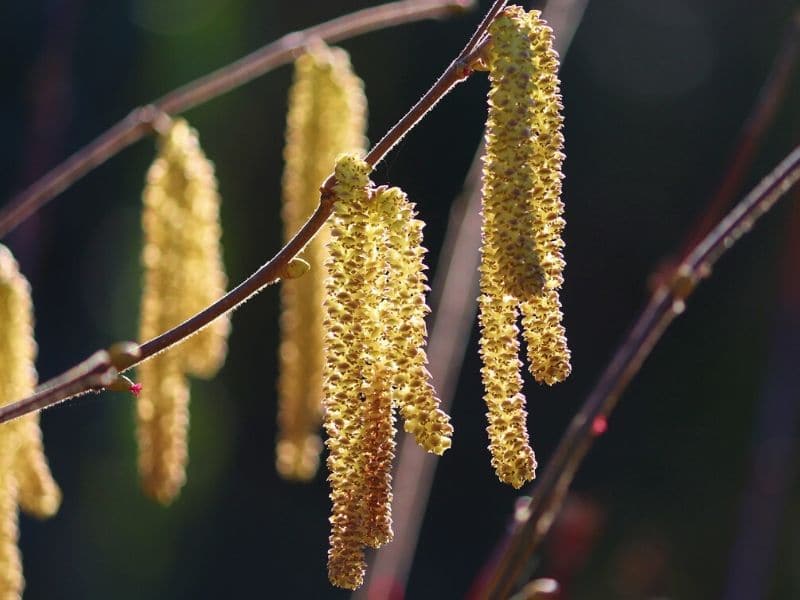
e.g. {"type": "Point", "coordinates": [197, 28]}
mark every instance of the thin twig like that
{"type": "Point", "coordinates": [141, 121]}
{"type": "Point", "coordinates": [775, 438]}
{"type": "Point", "coordinates": [755, 126]}
{"type": "Point", "coordinates": [94, 373]}
{"type": "Point", "coordinates": [270, 272]}
{"type": "Point", "coordinates": [455, 73]}
{"type": "Point", "coordinates": [666, 303]}
{"type": "Point", "coordinates": [452, 297]}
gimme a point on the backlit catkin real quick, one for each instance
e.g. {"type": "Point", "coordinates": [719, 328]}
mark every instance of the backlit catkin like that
{"type": "Point", "coordinates": [374, 360]}
{"type": "Point", "coordinates": [327, 116]}
{"type": "Point", "coordinates": [24, 475]}
{"type": "Point", "coordinates": [346, 296]}
{"type": "Point", "coordinates": [405, 320]}
{"type": "Point", "coordinates": [521, 256]}
{"type": "Point", "coordinates": [183, 274]}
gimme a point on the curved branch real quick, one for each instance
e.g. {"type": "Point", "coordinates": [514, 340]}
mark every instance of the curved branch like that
{"type": "Point", "coordinates": [270, 272]}
{"type": "Point", "coordinates": [143, 121]}
{"type": "Point", "coordinates": [666, 303]}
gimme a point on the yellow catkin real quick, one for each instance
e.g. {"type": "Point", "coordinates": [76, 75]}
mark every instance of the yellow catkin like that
{"type": "Point", "coordinates": [39, 495]}
{"type": "Point", "coordinates": [327, 116]}
{"type": "Point", "coordinates": [521, 255]}
{"type": "Point", "coordinates": [509, 174]}
{"type": "Point", "coordinates": [182, 247]}
{"type": "Point", "coordinates": [162, 412]}
{"type": "Point", "coordinates": [512, 457]}
{"type": "Point", "coordinates": [345, 302]}
{"type": "Point", "coordinates": [11, 579]}
{"type": "Point", "coordinates": [183, 274]}
{"type": "Point", "coordinates": [542, 327]}
{"type": "Point", "coordinates": [24, 475]}
{"type": "Point", "coordinates": [405, 322]}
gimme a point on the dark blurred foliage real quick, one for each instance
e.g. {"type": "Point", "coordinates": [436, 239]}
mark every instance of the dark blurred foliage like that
{"type": "Point", "coordinates": [654, 92]}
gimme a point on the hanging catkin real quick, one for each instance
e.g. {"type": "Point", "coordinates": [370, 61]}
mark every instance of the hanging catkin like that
{"type": "Point", "coordinates": [375, 360]}
{"type": "Point", "coordinates": [327, 116]}
{"type": "Point", "coordinates": [521, 253]}
{"type": "Point", "coordinates": [404, 317]}
{"type": "Point", "coordinates": [343, 383]}
{"type": "Point", "coordinates": [25, 478]}
{"type": "Point", "coordinates": [183, 274]}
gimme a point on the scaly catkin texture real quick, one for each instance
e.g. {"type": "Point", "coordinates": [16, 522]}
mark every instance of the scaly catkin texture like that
{"type": "Point", "coordinates": [509, 173]}
{"type": "Point", "coordinates": [327, 116]}
{"type": "Point", "coordinates": [512, 457]}
{"type": "Point", "coordinates": [521, 255]}
{"type": "Point", "coordinates": [183, 274]}
{"type": "Point", "coordinates": [542, 327]}
{"type": "Point", "coordinates": [344, 385]}
{"type": "Point", "coordinates": [24, 475]}
{"type": "Point", "coordinates": [405, 323]}
{"type": "Point", "coordinates": [374, 360]}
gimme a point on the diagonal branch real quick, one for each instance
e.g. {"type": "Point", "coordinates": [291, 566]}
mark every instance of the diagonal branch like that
{"type": "Point", "coordinates": [145, 120]}
{"type": "Point", "coordinates": [666, 303]}
{"type": "Point", "coordinates": [271, 271]}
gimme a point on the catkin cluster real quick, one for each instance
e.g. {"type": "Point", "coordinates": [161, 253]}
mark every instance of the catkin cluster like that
{"type": "Point", "coordinates": [25, 478]}
{"type": "Point", "coordinates": [375, 361]}
{"type": "Point", "coordinates": [327, 116]}
{"type": "Point", "coordinates": [521, 254]}
{"type": "Point", "coordinates": [183, 274]}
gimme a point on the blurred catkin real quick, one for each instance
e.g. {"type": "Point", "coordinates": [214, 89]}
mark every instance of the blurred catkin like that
{"type": "Point", "coordinates": [521, 254]}
{"type": "Point", "coordinates": [327, 116]}
{"type": "Point", "coordinates": [183, 274]}
{"type": "Point", "coordinates": [24, 475]}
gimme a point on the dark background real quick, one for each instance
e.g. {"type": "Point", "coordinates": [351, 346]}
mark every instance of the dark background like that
{"type": "Point", "coordinates": [654, 95]}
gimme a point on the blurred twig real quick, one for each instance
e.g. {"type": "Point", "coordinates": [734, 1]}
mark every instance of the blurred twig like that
{"type": "Point", "coordinates": [666, 303]}
{"type": "Point", "coordinates": [144, 120]}
{"type": "Point", "coordinates": [774, 439]}
{"type": "Point", "coordinates": [755, 126]}
{"type": "Point", "coordinates": [453, 293]}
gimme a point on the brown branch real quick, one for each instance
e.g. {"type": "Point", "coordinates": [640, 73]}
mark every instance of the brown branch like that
{"type": "Point", "coordinates": [455, 73]}
{"type": "Point", "coordinates": [666, 303]}
{"type": "Point", "coordinates": [143, 121]}
{"type": "Point", "coordinates": [270, 272]}
{"type": "Point", "coordinates": [94, 373]}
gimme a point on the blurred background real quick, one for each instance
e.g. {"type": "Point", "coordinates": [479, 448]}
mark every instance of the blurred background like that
{"type": "Point", "coordinates": [695, 485]}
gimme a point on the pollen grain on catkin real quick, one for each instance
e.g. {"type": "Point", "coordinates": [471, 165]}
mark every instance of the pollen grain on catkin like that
{"type": "Point", "coordinates": [326, 117]}
{"type": "Point", "coordinates": [184, 273]}
{"type": "Point", "coordinates": [25, 478]}
{"type": "Point", "coordinates": [521, 254]}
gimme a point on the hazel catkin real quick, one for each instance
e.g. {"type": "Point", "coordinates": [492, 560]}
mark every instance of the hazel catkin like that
{"type": "Point", "coordinates": [327, 116]}
{"type": "Point", "coordinates": [521, 253]}
{"type": "Point", "coordinates": [374, 360]}
{"type": "Point", "coordinates": [343, 374]}
{"type": "Point", "coordinates": [25, 477]}
{"type": "Point", "coordinates": [183, 274]}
